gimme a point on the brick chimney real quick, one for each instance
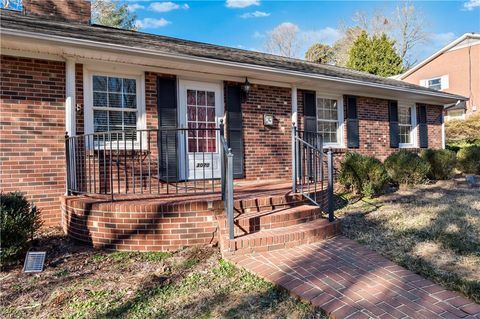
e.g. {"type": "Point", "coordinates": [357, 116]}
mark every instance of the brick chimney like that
{"type": "Point", "coordinates": [78, 11]}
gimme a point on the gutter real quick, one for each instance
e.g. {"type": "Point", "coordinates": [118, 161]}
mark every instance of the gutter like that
{"type": "Point", "coordinates": [95, 44]}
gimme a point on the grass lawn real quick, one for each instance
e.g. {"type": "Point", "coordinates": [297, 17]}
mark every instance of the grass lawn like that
{"type": "Point", "coordinates": [80, 282]}
{"type": "Point", "coordinates": [433, 230]}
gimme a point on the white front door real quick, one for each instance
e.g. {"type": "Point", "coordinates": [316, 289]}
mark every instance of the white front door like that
{"type": "Point", "coordinates": [200, 109]}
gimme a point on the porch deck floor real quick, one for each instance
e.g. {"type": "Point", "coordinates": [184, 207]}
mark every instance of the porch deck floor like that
{"type": "Point", "coordinates": [243, 189]}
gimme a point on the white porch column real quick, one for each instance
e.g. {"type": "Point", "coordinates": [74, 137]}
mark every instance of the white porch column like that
{"type": "Point", "coordinates": [443, 129]}
{"type": "Point", "coordinates": [70, 117]}
{"type": "Point", "coordinates": [294, 106]}
{"type": "Point", "coordinates": [294, 123]}
{"type": "Point", "coordinates": [70, 124]}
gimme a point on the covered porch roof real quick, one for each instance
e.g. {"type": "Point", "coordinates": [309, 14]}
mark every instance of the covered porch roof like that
{"type": "Point", "coordinates": [59, 40]}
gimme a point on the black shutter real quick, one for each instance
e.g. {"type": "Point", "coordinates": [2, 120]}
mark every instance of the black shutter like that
{"type": "Point", "coordinates": [310, 127]}
{"type": "Point", "coordinates": [235, 128]}
{"type": "Point", "coordinates": [393, 118]}
{"type": "Point", "coordinates": [352, 123]}
{"type": "Point", "coordinates": [422, 126]}
{"type": "Point", "coordinates": [309, 112]}
{"type": "Point", "coordinates": [167, 119]}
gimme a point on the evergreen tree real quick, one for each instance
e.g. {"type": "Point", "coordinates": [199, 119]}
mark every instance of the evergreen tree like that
{"type": "Point", "coordinates": [375, 55]}
{"type": "Point", "coordinates": [112, 13]}
{"type": "Point", "coordinates": [320, 53]}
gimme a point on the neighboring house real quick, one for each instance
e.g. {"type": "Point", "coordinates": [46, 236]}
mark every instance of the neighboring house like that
{"type": "Point", "coordinates": [453, 69]}
{"type": "Point", "coordinates": [150, 121]}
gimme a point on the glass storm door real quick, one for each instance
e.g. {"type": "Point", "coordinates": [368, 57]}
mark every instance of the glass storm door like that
{"type": "Point", "coordinates": [202, 112]}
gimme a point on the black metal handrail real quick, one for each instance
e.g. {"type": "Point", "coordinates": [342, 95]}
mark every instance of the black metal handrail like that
{"type": "Point", "coordinates": [149, 161]}
{"type": "Point", "coordinates": [227, 183]}
{"type": "Point", "coordinates": [308, 165]}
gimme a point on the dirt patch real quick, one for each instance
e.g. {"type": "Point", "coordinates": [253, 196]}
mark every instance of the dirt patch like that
{"type": "Point", "coordinates": [80, 282]}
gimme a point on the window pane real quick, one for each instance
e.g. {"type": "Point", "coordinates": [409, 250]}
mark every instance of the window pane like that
{"type": "Point", "coordinates": [100, 121]}
{"type": "Point", "coordinates": [211, 98]}
{"type": "Point", "coordinates": [201, 99]}
{"type": "Point", "coordinates": [130, 119]}
{"type": "Point", "coordinates": [99, 99]}
{"type": "Point", "coordinates": [99, 83]}
{"type": "Point", "coordinates": [115, 121]}
{"type": "Point", "coordinates": [114, 84]}
{"type": "Point", "coordinates": [191, 99]}
{"type": "Point", "coordinates": [210, 114]}
{"type": "Point", "coordinates": [130, 101]}
{"type": "Point", "coordinates": [202, 114]}
{"type": "Point", "coordinates": [129, 86]}
{"type": "Point", "coordinates": [115, 100]}
{"type": "Point", "coordinates": [192, 113]}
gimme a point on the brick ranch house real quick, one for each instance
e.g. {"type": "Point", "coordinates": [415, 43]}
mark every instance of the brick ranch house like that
{"type": "Point", "coordinates": [173, 143]}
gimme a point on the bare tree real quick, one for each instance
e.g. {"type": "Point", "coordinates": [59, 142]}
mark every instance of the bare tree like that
{"type": "Point", "coordinates": [342, 46]}
{"type": "Point", "coordinates": [410, 25]}
{"type": "Point", "coordinates": [406, 25]}
{"type": "Point", "coordinates": [284, 40]}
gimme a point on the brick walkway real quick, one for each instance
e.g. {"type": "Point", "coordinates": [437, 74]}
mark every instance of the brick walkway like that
{"type": "Point", "coordinates": [347, 280]}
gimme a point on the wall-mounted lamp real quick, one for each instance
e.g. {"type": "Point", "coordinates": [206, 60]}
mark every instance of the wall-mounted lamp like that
{"type": "Point", "coordinates": [246, 87]}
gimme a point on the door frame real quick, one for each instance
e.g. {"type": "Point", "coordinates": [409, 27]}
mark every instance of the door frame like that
{"type": "Point", "coordinates": [196, 84]}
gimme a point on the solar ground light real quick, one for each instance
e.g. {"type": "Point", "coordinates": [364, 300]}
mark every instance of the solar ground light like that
{"type": "Point", "coordinates": [34, 261]}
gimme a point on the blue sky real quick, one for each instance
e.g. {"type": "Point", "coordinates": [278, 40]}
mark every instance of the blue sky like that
{"type": "Point", "coordinates": [244, 23]}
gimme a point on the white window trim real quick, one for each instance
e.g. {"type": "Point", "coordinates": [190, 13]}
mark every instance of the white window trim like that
{"type": "Point", "coordinates": [414, 131]}
{"type": "Point", "coordinates": [88, 101]}
{"type": "Point", "coordinates": [340, 120]}
{"type": "Point", "coordinates": [444, 81]}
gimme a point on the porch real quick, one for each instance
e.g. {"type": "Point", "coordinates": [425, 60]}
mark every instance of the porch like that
{"type": "Point", "coordinates": [127, 191]}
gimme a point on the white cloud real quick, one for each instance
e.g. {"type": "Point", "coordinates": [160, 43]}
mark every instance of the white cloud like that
{"type": "Point", "coordinates": [135, 6]}
{"type": "Point", "coordinates": [241, 3]}
{"type": "Point", "coordinates": [471, 4]}
{"type": "Point", "coordinates": [258, 35]}
{"type": "Point", "coordinates": [166, 6]}
{"type": "Point", "coordinates": [255, 14]}
{"type": "Point", "coordinates": [326, 35]}
{"type": "Point", "coordinates": [150, 23]}
{"type": "Point", "coordinates": [442, 39]}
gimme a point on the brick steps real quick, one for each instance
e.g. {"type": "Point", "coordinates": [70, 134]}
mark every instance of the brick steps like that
{"type": "Point", "coordinates": [267, 203]}
{"type": "Point", "coordinates": [248, 223]}
{"type": "Point", "coordinates": [305, 230]}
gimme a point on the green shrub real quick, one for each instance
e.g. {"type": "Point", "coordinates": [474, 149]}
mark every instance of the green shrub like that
{"type": "Point", "coordinates": [468, 159]}
{"type": "Point", "coordinates": [442, 163]}
{"type": "Point", "coordinates": [405, 167]}
{"type": "Point", "coordinates": [364, 175]}
{"type": "Point", "coordinates": [19, 221]}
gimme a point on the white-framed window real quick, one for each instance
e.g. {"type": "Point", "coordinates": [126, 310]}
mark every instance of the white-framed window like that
{"type": "Point", "coordinates": [114, 102]}
{"type": "Point", "coordinates": [330, 119]}
{"type": "Point", "coordinates": [436, 83]}
{"type": "Point", "coordinates": [407, 122]}
{"type": "Point", "coordinates": [455, 115]}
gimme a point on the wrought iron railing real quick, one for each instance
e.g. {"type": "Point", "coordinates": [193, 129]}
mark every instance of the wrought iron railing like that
{"type": "Point", "coordinates": [309, 165]}
{"type": "Point", "coordinates": [151, 161]}
{"type": "Point", "coordinates": [227, 183]}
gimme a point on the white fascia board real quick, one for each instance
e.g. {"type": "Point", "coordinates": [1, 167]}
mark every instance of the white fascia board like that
{"type": "Point", "coordinates": [127, 49]}
{"type": "Point", "coordinates": [438, 53]}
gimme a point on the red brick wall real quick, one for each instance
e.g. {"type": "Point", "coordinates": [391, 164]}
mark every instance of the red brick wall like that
{"type": "Point", "coordinates": [267, 149]}
{"type": "Point", "coordinates": [145, 226]}
{"type": "Point", "coordinates": [32, 128]}
{"type": "Point", "coordinates": [65, 10]}
{"type": "Point", "coordinates": [374, 127]}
